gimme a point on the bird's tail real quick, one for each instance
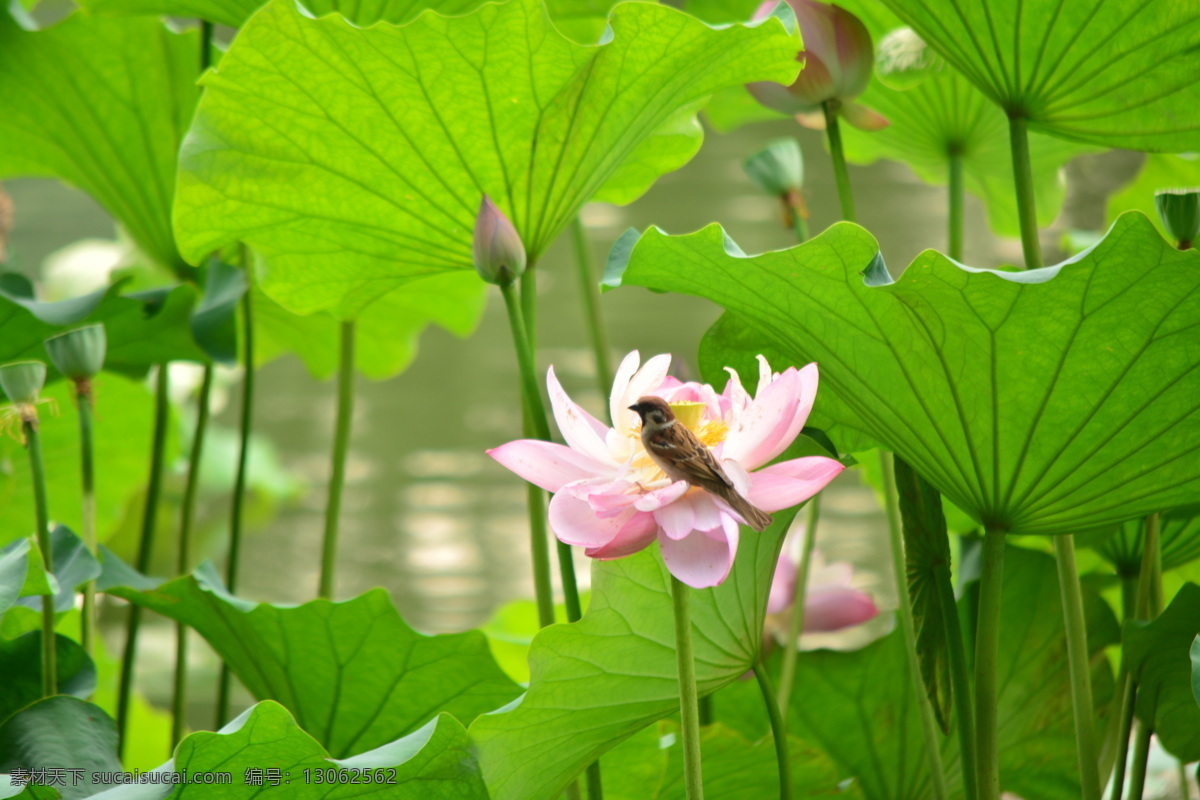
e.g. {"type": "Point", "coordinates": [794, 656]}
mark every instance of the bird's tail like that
{"type": "Point", "coordinates": [751, 514]}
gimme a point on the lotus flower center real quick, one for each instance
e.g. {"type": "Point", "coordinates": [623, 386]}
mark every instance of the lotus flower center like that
{"type": "Point", "coordinates": [710, 433]}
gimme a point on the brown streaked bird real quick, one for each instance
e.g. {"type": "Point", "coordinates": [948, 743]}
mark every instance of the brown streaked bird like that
{"type": "Point", "coordinates": [678, 452]}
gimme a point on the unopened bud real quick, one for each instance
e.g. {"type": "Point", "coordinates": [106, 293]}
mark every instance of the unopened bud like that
{"type": "Point", "coordinates": [78, 354]}
{"type": "Point", "coordinates": [1179, 210]}
{"type": "Point", "coordinates": [778, 168]}
{"type": "Point", "coordinates": [22, 381]}
{"type": "Point", "coordinates": [499, 252]}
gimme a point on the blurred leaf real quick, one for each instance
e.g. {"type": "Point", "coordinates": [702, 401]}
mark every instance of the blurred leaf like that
{"type": "Point", "coordinates": [927, 558]}
{"type": "Point", "coordinates": [1157, 656]}
{"type": "Point", "coordinates": [541, 124]}
{"type": "Point", "coordinates": [122, 442]}
{"type": "Point", "coordinates": [21, 666]}
{"type": "Point", "coordinates": [432, 763]}
{"type": "Point", "coordinates": [214, 322]}
{"type": "Point", "coordinates": [74, 566]}
{"type": "Point", "coordinates": [353, 673]}
{"type": "Point", "coordinates": [1159, 171]}
{"type": "Point", "coordinates": [63, 732]}
{"type": "Point", "coordinates": [568, 718]}
{"type": "Point", "coordinates": [22, 573]}
{"type": "Point", "coordinates": [1195, 653]}
{"type": "Point", "coordinates": [1117, 75]}
{"type": "Point", "coordinates": [978, 378]}
{"type": "Point", "coordinates": [102, 105]}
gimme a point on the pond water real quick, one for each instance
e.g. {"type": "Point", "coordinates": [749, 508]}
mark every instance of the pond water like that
{"type": "Point", "coordinates": [426, 514]}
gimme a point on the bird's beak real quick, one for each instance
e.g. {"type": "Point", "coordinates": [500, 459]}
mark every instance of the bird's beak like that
{"type": "Point", "coordinates": [634, 408]}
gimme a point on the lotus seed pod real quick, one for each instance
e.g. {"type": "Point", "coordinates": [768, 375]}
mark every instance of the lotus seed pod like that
{"type": "Point", "coordinates": [1179, 210]}
{"type": "Point", "coordinates": [499, 252]}
{"type": "Point", "coordinates": [23, 380]}
{"type": "Point", "coordinates": [778, 168]}
{"type": "Point", "coordinates": [78, 354]}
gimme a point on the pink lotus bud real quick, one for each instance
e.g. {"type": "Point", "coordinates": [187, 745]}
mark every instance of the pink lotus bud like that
{"type": "Point", "coordinates": [838, 58]}
{"type": "Point", "coordinates": [499, 252]}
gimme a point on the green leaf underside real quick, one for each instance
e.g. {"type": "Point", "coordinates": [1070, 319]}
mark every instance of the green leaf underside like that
{"type": "Point", "coordinates": [944, 113]}
{"type": "Point", "coordinates": [101, 104]}
{"type": "Point", "coordinates": [1179, 536]}
{"type": "Point", "coordinates": [392, 183]}
{"type": "Point", "coordinates": [1116, 74]}
{"type": "Point", "coordinates": [600, 680]}
{"type": "Point", "coordinates": [1044, 402]}
{"type": "Point", "coordinates": [21, 665]}
{"type": "Point", "coordinates": [353, 673]}
{"type": "Point", "coordinates": [63, 732]}
{"type": "Point", "coordinates": [858, 706]}
{"type": "Point", "coordinates": [432, 763]}
{"type": "Point", "coordinates": [386, 332]}
{"type": "Point", "coordinates": [122, 440]}
{"type": "Point", "coordinates": [1158, 656]}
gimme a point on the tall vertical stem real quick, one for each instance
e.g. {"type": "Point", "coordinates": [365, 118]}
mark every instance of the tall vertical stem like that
{"type": "Point", "coordinates": [834, 134]}
{"type": "Point", "coordinates": [591, 307]}
{"type": "Point", "coordinates": [536, 415]}
{"type": "Point", "coordinates": [245, 426]}
{"type": "Point", "coordinates": [791, 650]}
{"type": "Point", "coordinates": [778, 730]}
{"type": "Point", "coordinates": [83, 397]}
{"type": "Point", "coordinates": [929, 729]}
{"type": "Point", "coordinates": [957, 195]}
{"type": "Point", "coordinates": [1079, 665]}
{"type": "Point", "coordinates": [184, 555]}
{"type": "Point", "coordinates": [1149, 606]}
{"type": "Point", "coordinates": [341, 447]}
{"type": "Point", "coordinates": [162, 403]}
{"type": "Point", "coordinates": [987, 652]}
{"type": "Point", "coordinates": [689, 712]}
{"type": "Point", "coordinates": [37, 473]}
{"type": "Point", "coordinates": [960, 683]}
{"type": "Point", "coordinates": [1026, 205]}
{"type": "Point", "coordinates": [1141, 760]}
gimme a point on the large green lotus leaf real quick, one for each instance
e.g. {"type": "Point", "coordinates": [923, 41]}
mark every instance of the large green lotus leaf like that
{"type": "Point", "coordinates": [74, 565]}
{"type": "Point", "coordinates": [1160, 171]}
{"type": "Point", "coordinates": [392, 182]}
{"type": "Point", "coordinates": [1115, 74]}
{"type": "Point", "coordinates": [354, 674]}
{"type": "Point", "coordinates": [432, 763]}
{"type": "Point", "coordinates": [1180, 543]}
{"type": "Point", "coordinates": [141, 329]}
{"type": "Point", "coordinates": [62, 732]}
{"type": "Point", "coordinates": [598, 681]}
{"type": "Point", "coordinates": [122, 445]}
{"type": "Point", "coordinates": [1048, 402]}
{"type": "Point", "coordinates": [1157, 656]}
{"type": "Point", "coordinates": [21, 665]}
{"type": "Point", "coordinates": [101, 104]}
{"type": "Point", "coordinates": [387, 332]}
{"type": "Point", "coordinates": [945, 113]}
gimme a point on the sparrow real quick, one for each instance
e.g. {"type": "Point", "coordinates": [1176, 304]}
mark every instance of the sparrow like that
{"type": "Point", "coordinates": [683, 457]}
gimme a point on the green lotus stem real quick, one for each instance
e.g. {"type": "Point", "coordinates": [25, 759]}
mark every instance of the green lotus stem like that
{"type": "Point", "coordinates": [834, 134]}
{"type": "Point", "coordinates": [1079, 665]}
{"type": "Point", "coordinates": [795, 205]}
{"type": "Point", "coordinates": [184, 555]}
{"type": "Point", "coordinates": [1026, 203]}
{"type": "Point", "coordinates": [206, 37]}
{"type": "Point", "coordinates": [960, 682]}
{"type": "Point", "coordinates": [595, 785]}
{"type": "Point", "coordinates": [246, 424]}
{"type": "Point", "coordinates": [1141, 758]}
{"type": "Point", "coordinates": [1127, 692]}
{"type": "Point", "coordinates": [929, 729]}
{"type": "Point", "coordinates": [83, 398]}
{"type": "Point", "coordinates": [341, 447]}
{"type": "Point", "coordinates": [37, 473]}
{"type": "Point", "coordinates": [1181, 772]}
{"type": "Point", "coordinates": [778, 730]}
{"type": "Point", "coordinates": [791, 650]}
{"type": "Point", "coordinates": [689, 712]}
{"type": "Point", "coordinates": [162, 404]}
{"type": "Point", "coordinates": [987, 652]}
{"type": "Point", "coordinates": [535, 417]}
{"type": "Point", "coordinates": [591, 307]}
{"type": "Point", "coordinates": [957, 195]}
{"type": "Point", "coordinates": [708, 713]}
{"type": "Point", "coordinates": [529, 304]}
{"type": "Point", "coordinates": [1150, 593]}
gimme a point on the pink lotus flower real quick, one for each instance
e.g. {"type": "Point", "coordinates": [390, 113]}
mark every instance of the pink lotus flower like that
{"type": "Point", "coordinates": [611, 498]}
{"type": "Point", "coordinates": [838, 58]}
{"type": "Point", "coordinates": [831, 602]}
